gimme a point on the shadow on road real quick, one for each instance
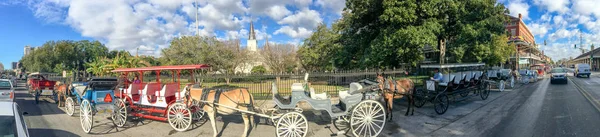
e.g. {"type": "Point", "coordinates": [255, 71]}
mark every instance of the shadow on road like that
{"type": "Point", "coordinates": [27, 103]}
{"type": "Point", "coordinates": [45, 133]}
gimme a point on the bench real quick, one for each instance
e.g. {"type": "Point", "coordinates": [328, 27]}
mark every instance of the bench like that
{"type": "Point", "coordinates": [169, 92]}
{"type": "Point", "coordinates": [150, 90]}
{"type": "Point", "coordinates": [134, 90]}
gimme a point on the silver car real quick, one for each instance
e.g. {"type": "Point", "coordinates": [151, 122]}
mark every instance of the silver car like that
{"type": "Point", "coordinates": [12, 121]}
{"type": "Point", "coordinates": [558, 75]}
{"type": "Point", "coordinates": [6, 91]}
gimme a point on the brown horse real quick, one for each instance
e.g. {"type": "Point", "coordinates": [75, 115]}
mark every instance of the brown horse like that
{"type": "Point", "coordinates": [238, 98]}
{"type": "Point", "coordinates": [395, 90]}
{"type": "Point", "coordinates": [61, 91]}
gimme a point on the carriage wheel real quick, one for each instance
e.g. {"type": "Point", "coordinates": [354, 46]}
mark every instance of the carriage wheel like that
{"type": "Point", "coordinates": [85, 116]}
{"type": "Point", "coordinates": [419, 98]}
{"type": "Point", "coordinates": [292, 124]}
{"type": "Point", "coordinates": [198, 113]}
{"type": "Point", "coordinates": [441, 103]}
{"type": "Point", "coordinates": [512, 82]}
{"type": "Point", "coordinates": [180, 117]}
{"type": "Point", "coordinates": [485, 91]}
{"type": "Point", "coordinates": [69, 106]}
{"type": "Point", "coordinates": [119, 116]}
{"type": "Point", "coordinates": [501, 85]}
{"type": "Point", "coordinates": [367, 119]}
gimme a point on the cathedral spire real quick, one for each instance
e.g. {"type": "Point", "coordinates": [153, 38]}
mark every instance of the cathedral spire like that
{"type": "Point", "coordinates": [252, 34]}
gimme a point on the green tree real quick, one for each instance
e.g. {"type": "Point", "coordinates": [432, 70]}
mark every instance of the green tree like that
{"type": "Point", "coordinates": [318, 51]}
{"type": "Point", "coordinates": [259, 70]}
{"type": "Point", "coordinates": [390, 33]}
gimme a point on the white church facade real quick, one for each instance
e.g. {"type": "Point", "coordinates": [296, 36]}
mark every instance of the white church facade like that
{"type": "Point", "coordinates": [255, 59]}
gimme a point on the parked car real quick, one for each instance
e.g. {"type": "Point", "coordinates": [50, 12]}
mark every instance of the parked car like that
{"type": "Point", "coordinates": [582, 70]}
{"type": "Point", "coordinates": [558, 75]}
{"type": "Point", "coordinates": [12, 121]}
{"type": "Point", "coordinates": [6, 91]}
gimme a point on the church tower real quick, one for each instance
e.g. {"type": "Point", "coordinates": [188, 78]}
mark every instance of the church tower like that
{"type": "Point", "coordinates": [251, 43]}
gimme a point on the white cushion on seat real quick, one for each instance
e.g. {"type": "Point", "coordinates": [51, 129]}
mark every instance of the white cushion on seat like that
{"type": "Point", "coordinates": [297, 87]}
{"type": "Point", "coordinates": [314, 95]}
{"type": "Point", "coordinates": [354, 87]}
{"type": "Point", "coordinates": [430, 85]}
{"type": "Point", "coordinates": [343, 94]}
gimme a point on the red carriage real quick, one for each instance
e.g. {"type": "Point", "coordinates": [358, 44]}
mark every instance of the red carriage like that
{"type": "Point", "coordinates": [161, 101]}
{"type": "Point", "coordinates": [40, 86]}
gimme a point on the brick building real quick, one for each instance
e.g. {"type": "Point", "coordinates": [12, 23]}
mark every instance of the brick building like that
{"type": "Point", "coordinates": [528, 51]}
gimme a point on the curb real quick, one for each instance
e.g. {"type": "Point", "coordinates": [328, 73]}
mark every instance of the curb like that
{"type": "Point", "coordinates": [586, 95]}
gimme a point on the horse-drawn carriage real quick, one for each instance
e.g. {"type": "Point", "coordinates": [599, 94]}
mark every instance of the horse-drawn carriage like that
{"type": "Point", "coordinates": [501, 78]}
{"type": "Point", "coordinates": [159, 100]}
{"type": "Point", "coordinates": [459, 82]}
{"type": "Point", "coordinates": [40, 86]}
{"type": "Point", "coordinates": [93, 97]}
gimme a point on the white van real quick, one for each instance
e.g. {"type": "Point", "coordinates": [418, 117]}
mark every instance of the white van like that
{"type": "Point", "coordinates": [582, 70]}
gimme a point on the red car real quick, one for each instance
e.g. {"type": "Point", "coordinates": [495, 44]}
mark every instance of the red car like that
{"type": "Point", "coordinates": [40, 86]}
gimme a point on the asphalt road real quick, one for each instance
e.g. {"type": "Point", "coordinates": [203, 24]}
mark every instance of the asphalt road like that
{"type": "Point", "coordinates": [47, 120]}
{"type": "Point", "coordinates": [535, 109]}
{"type": "Point", "coordinates": [550, 111]}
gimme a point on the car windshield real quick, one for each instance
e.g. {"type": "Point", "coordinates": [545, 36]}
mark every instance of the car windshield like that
{"type": "Point", "coordinates": [4, 85]}
{"type": "Point", "coordinates": [559, 70]}
{"type": "Point", "coordinates": [8, 124]}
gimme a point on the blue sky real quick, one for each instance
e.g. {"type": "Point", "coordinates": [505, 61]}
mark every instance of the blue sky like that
{"type": "Point", "coordinates": [151, 24]}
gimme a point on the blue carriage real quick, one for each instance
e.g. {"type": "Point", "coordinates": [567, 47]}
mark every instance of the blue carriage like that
{"type": "Point", "coordinates": [93, 97]}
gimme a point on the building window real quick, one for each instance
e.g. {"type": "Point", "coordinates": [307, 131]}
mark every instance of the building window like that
{"type": "Point", "coordinates": [513, 32]}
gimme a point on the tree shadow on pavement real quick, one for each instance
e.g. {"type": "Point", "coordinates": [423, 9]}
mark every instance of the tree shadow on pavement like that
{"type": "Point", "coordinates": [27, 104]}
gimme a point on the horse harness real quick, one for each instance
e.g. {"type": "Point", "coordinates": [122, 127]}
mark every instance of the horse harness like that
{"type": "Point", "coordinates": [388, 86]}
{"type": "Point", "coordinates": [218, 93]}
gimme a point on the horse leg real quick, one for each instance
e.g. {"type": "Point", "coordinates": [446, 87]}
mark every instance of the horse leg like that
{"type": "Point", "coordinates": [211, 115]}
{"type": "Point", "coordinates": [246, 118]}
{"type": "Point", "coordinates": [412, 104]}
{"type": "Point", "coordinates": [252, 122]}
{"type": "Point", "coordinates": [390, 99]}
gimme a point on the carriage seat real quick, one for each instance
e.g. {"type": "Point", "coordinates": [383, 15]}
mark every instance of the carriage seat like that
{"type": "Point", "coordinates": [316, 96]}
{"type": "Point", "coordinates": [458, 77]}
{"type": "Point", "coordinates": [468, 75]}
{"type": "Point", "coordinates": [297, 87]}
{"type": "Point", "coordinates": [169, 91]}
{"type": "Point", "coordinates": [79, 90]}
{"type": "Point", "coordinates": [150, 90]}
{"type": "Point", "coordinates": [354, 87]}
{"type": "Point", "coordinates": [477, 75]}
{"type": "Point", "coordinates": [277, 97]}
{"type": "Point", "coordinates": [492, 74]}
{"type": "Point", "coordinates": [134, 90]}
{"type": "Point", "coordinates": [446, 79]}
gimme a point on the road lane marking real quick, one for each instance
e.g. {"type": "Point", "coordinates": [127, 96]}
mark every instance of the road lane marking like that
{"type": "Point", "coordinates": [587, 96]}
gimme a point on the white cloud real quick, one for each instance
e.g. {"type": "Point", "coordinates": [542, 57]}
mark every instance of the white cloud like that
{"type": "Point", "coordinates": [299, 25]}
{"type": "Point", "coordinates": [558, 51]}
{"type": "Point", "coordinates": [586, 7]}
{"type": "Point", "coordinates": [277, 12]}
{"type": "Point", "coordinates": [294, 33]}
{"type": "Point", "coordinates": [546, 17]}
{"type": "Point", "coordinates": [559, 6]}
{"type": "Point", "coordinates": [538, 30]}
{"type": "Point", "coordinates": [516, 7]}
{"type": "Point", "coordinates": [305, 18]}
{"type": "Point", "coordinates": [335, 6]}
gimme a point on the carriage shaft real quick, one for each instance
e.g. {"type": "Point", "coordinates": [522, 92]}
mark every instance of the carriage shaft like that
{"type": "Point", "coordinates": [243, 111]}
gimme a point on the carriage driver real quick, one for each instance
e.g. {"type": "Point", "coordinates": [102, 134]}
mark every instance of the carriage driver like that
{"type": "Point", "coordinates": [437, 76]}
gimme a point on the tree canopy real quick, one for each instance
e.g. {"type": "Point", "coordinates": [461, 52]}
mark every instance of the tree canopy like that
{"type": "Point", "coordinates": [392, 33]}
